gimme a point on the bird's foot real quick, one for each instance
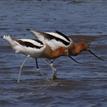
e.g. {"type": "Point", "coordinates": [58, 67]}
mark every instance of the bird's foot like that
{"type": "Point", "coordinates": [54, 76]}
{"type": "Point", "coordinates": [37, 69]}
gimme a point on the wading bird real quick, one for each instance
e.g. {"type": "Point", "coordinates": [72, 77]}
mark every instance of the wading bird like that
{"type": "Point", "coordinates": [36, 49]}
{"type": "Point", "coordinates": [71, 48]}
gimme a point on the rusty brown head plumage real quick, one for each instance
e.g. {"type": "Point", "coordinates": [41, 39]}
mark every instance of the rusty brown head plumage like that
{"type": "Point", "coordinates": [76, 48]}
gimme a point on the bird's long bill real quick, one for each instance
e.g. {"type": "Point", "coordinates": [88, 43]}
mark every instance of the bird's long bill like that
{"type": "Point", "coordinates": [74, 59]}
{"type": "Point", "coordinates": [95, 55]}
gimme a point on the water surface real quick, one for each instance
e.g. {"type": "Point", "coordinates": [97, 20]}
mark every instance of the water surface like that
{"type": "Point", "coordinates": [79, 85]}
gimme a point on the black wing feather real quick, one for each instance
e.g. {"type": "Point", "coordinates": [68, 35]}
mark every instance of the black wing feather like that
{"type": "Point", "coordinates": [28, 44]}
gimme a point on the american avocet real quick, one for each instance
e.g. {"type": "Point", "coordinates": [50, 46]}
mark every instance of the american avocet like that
{"type": "Point", "coordinates": [54, 40]}
{"type": "Point", "coordinates": [72, 48]}
{"type": "Point", "coordinates": [35, 49]}
{"type": "Point", "coordinates": [75, 48]}
{"type": "Point", "coordinates": [29, 47]}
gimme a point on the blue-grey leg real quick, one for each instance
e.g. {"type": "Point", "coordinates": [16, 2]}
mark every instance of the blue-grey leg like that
{"type": "Point", "coordinates": [54, 75]}
{"type": "Point", "coordinates": [50, 63]}
{"type": "Point", "coordinates": [37, 66]}
{"type": "Point", "coordinates": [20, 71]}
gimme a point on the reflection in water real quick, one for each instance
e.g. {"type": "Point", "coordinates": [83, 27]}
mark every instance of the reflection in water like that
{"type": "Point", "coordinates": [79, 85]}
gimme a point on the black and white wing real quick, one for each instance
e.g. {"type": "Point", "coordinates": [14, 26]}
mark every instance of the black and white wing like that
{"type": "Point", "coordinates": [56, 37]}
{"type": "Point", "coordinates": [30, 43]}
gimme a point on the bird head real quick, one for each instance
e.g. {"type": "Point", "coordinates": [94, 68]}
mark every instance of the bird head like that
{"type": "Point", "coordinates": [76, 48]}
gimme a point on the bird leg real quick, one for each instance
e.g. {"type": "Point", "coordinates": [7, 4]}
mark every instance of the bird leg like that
{"type": "Point", "coordinates": [37, 66]}
{"type": "Point", "coordinates": [74, 60]}
{"type": "Point", "coordinates": [21, 67]}
{"type": "Point", "coordinates": [53, 68]}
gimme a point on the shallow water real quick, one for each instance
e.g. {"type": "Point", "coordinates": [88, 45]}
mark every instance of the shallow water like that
{"type": "Point", "coordinates": [79, 85]}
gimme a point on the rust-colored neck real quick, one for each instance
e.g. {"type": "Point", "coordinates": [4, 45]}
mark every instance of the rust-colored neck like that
{"type": "Point", "coordinates": [77, 48]}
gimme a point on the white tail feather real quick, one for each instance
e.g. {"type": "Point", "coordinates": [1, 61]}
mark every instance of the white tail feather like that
{"type": "Point", "coordinates": [10, 40]}
{"type": "Point", "coordinates": [7, 37]}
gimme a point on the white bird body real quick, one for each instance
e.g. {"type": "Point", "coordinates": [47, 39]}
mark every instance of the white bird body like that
{"type": "Point", "coordinates": [29, 47]}
{"type": "Point", "coordinates": [54, 44]}
{"type": "Point", "coordinates": [35, 49]}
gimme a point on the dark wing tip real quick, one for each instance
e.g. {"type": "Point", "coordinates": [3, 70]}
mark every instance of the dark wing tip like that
{"type": "Point", "coordinates": [62, 34]}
